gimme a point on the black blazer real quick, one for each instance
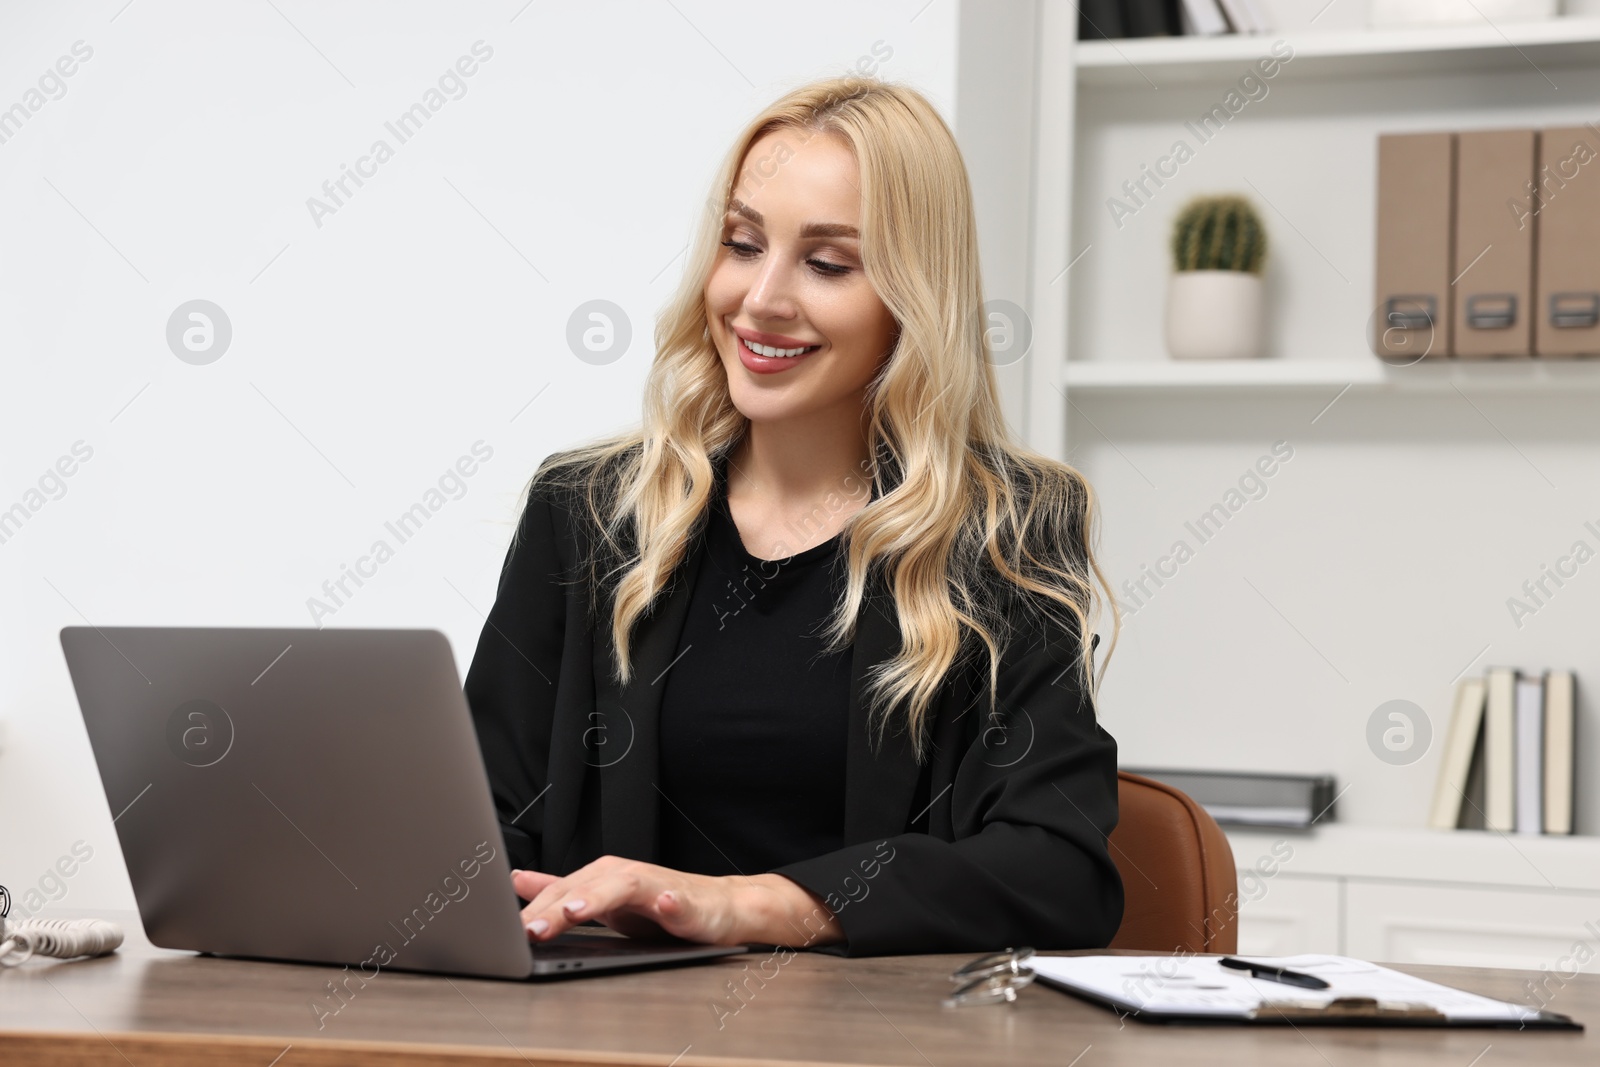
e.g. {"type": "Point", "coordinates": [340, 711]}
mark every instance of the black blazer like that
{"type": "Point", "coordinates": [999, 839]}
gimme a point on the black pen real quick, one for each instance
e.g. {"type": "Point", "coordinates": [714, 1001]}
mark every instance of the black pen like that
{"type": "Point", "coordinates": [1276, 974]}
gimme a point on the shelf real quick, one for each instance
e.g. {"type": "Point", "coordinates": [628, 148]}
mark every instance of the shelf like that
{"type": "Point", "coordinates": [1146, 376]}
{"type": "Point", "coordinates": [1470, 857]}
{"type": "Point", "coordinates": [1160, 61]}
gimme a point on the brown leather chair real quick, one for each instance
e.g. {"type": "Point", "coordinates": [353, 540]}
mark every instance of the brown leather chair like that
{"type": "Point", "coordinates": [1178, 879]}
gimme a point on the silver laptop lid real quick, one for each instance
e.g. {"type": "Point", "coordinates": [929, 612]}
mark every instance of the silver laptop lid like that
{"type": "Point", "coordinates": [300, 794]}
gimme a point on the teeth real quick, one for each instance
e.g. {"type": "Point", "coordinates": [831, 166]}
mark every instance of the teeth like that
{"type": "Point", "coordinates": [779, 353]}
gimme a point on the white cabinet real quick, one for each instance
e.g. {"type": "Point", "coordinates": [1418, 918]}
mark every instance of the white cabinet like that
{"type": "Point", "coordinates": [1464, 926]}
{"type": "Point", "coordinates": [1464, 898]}
{"type": "Point", "coordinates": [1289, 916]}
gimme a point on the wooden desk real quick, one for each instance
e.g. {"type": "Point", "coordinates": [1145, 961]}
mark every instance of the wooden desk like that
{"type": "Point", "coordinates": [147, 1006]}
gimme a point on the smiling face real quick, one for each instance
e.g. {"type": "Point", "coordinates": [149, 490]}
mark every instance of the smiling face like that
{"type": "Point", "coordinates": [789, 276]}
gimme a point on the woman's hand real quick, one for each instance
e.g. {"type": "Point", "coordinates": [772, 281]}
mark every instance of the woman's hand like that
{"type": "Point", "coordinates": [644, 900]}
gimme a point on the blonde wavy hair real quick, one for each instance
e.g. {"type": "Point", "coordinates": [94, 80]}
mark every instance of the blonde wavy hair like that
{"type": "Point", "coordinates": [964, 516]}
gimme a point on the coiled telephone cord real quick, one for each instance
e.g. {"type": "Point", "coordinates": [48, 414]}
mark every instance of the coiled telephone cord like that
{"type": "Point", "coordinates": [62, 939]}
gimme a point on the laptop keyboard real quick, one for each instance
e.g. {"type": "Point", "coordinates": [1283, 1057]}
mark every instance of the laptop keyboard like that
{"type": "Point", "coordinates": [587, 946]}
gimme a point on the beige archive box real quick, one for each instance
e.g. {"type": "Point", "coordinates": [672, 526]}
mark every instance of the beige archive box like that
{"type": "Point", "coordinates": [1493, 269]}
{"type": "Point", "coordinates": [1567, 313]}
{"type": "Point", "coordinates": [1416, 182]}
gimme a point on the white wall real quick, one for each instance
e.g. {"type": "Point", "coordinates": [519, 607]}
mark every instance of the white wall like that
{"type": "Point", "coordinates": [995, 113]}
{"type": "Point", "coordinates": [428, 313]}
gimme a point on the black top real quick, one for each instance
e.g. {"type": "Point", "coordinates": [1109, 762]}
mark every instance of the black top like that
{"type": "Point", "coordinates": [754, 715]}
{"type": "Point", "coordinates": [977, 846]}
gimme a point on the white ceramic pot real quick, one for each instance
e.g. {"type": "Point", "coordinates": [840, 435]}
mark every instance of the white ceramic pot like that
{"type": "Point", "coordinates": [1436, 12]}
{"type": "Point", "coordinates": [1214, 314]}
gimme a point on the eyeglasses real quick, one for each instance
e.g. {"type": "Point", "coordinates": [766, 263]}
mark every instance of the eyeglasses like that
{"type": "Point", "coordinates": [991, 979]}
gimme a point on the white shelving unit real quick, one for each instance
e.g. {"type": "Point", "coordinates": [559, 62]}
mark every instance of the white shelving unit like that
{"type": "Point", "coordinates": [1514, 376]}
{"type": "Point", "coordinates": [1344, 54]}
{"type": "Point", "coordinates": [1379, 558]}
{"type": "Point", "coordinates": [1143, 70]}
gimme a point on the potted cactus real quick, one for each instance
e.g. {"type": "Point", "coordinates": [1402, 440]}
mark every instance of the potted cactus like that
{"type": "Point", "coordinates": [1214, 300]}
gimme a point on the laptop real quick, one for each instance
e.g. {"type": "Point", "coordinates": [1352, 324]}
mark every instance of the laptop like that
{"type": "Point", "coordinates": [314, 796]}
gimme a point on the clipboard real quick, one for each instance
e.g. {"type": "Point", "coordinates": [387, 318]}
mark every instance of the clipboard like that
{"type": "Point", "coordinates": [1196, 990]}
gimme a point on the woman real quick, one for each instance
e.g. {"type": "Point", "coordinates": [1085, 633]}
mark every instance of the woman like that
{"type": "Point", "coordinates": [800, 661]}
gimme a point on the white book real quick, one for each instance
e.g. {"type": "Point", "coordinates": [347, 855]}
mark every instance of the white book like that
{"type": "Point", "coordinates": [1238, 16]}
{"type": "Point", "coordinates": [1460, 740]}
{"type": "Point", "coordinates": [1499, 748]}
{"type": "Point", "coordinates": [1530, 755]}
{"type": "Point", "coordinates": [1203, 18]}
{"type": "Point", "coordinates": [1257, 17]}
{"type": "Point", "coordinates": [1559, 726]}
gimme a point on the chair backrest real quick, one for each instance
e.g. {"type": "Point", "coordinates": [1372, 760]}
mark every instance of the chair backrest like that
{"type": "Point", "coordinates": [1179, 884]}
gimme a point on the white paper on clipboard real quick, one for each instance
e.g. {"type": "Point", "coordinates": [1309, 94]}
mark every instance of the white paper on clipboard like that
{"type": "Point", "coordinates": [1199, 985]}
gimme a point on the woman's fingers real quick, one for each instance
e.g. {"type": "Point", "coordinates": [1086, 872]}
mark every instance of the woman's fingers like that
{"type": "Point", "coordinates": [686, 906]}
{"type": "Point", "coordinates": [528, 884]}
{"type": "Point", "coordinates": [622, 894]}
{"type": "Point", "coordinates": [631, 897]}
{"type": "Point", "coordinates": [579, 897]}
{"type": "Point", "coordinates": [677, 914]}
{"type": "Point", "coordinates": [546, 914]}
{"type": "Point", "coordinates": [700, 909]}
